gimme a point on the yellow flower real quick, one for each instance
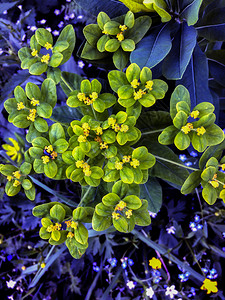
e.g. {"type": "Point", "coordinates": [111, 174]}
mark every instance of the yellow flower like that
{"type": "Point", "coordinates": [17, 174]}
{"type": "Point", "coordinates": [104, 32]}
{"type": "Point", "coordinates": [13, 151]}
{"type": "Point", "coordinates": [87, 172]}
{"type": "Point", "coordinates": [116, 127]}
{"type": "Point", "coordinates": [23, 268]}
{"type": "Point", "coordinates": [34, 102]}
{"type": "Point", "coordinates": [194, 114]}
{"type": "Point", "coordinates": [201, 131]}
{"type": "Point", "coordinates": [118, 165]}
{"type": "Point", "coordinates": [70, 235]}
{"type": "Point", "coordinates": [50, 228]}
{"type": "Point", "coordinates": [58, 226]}
{"type": "Point", "coordinates": [155, 263]}
{"type": "Point", "coordinates": [121, 205]}
{"type": "Point", "coordinates": [16, 183]}
{"type": "Point", "coordinates": [48, 46]}
{"type": "Point", "coordinates": [214, 183]}
{"type": "Point", "coordinates": [128, 213]}
{"type": "Point", "coordinates": [34, 52]}
{"type": "Point", "coordinates": [49, 148]}
{"type": "Point", "coordinates": [99, 130]}
{"type": "Point", "coordinates": [115, 215]}
{"type": "Point", "coordinates": [123, 27]}
{"type": "Point", "coordinates": [43, 265]}
{"type": "Point", "coordinates": [111, 121]}
{"type": "Point", "coordinates": [149, 85]}
{"type": "Point", "coordinates": [81, 96]}
{"type": "Point", "coordinates": [54, 154]}
{"type": "Point", "coordinates": [134, 83]}
{"type": "Point", "coordinates": [138, 95]}
{"type": "Point", "coordinates": [45, 159]}
{"type": "Point", "coordinates": [88, 101]}
{"type": "Point", "coordinates": [20, 106]}
{"type": "Point", "coordinates": [32, 115]}
{"type": "Point", "coordinates": [68, 224]}
{"type": "Point", "coordinates": [93, 95]}
{"type": "Point", "coordinates": [79, 163]}
{"type": "Point", "coordinates": [126, 159]}
{"type": "Point", "coordinates": [135, 163]}
{"type": "Point", "coordinates": [82, 139]}
{"type": "Point", "coordinates": [124, 128]}
{"type": "Point", "coordinates": [104, 146]}
{"type": "Point", "coordinates": [187, 128]}
{"type": "Point", "coordinates": [45, 58]}
{"type": "Point", "coordinates": [210, 286]}
{"type": "Point", "coordinates": [9, 178]}
{"type": "Point", "coordinates": [74, 225]}
{"type": "Point", "coordinates": [120, 36]}
{"type": "Point", "coordinates": [223, 167]}
{"type": "Point", "coordinates": [86, 126]}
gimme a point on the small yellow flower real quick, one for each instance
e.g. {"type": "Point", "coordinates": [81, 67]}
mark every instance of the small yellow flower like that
{"type": "Point", "coordinates": [111, 121]}
{"type": "Point", "coordinates": [104, 32]}
{"type": "Point", "coordinates": [49, 148]}
{"type": "Point", "coordinates": [74, 225]}
{"type": "Point", "coordinates": [187, 128]}
{"type": "Point", "coordinates": [54, 154]}
{"type": "Point", "coordinates": [23, 268]}
{"type": "Point", "coordinates": [93, 95]}
{"type": "Point", "coordinates": [134, 83]}
{"type": "Point", "coordinates": [155, 263]}
{"type": "Point", "coordinates": [20, 106]}
{"type": "Point", "coordinates": [81, 96]}
{"type": "Point", "coordinates": [201, 131]}
{"type": "Point", "coordinates": [86, 132]}
{"type": "Point", "coordinates": [98, 139]}
{"type": "Point", "coordinates": [120, 36]}
{"type": "Point", "coordinates": [214, 183]}
{"type": "Point", "coordinates": [9, 178]}
{"type": "Point", "coordinates": [99, 130]}
{"type": "Point", "coordinates": [48, 46]}
{"type": "Point", "coordinates": [128, 213]}
{"type": "Point", "coordinates": [16, 183]}
{"type": "Point", "coordinates": [116, 127]}
{"type": "Point", "coordinates": [118, 165]}
{"type": "Point", "coordinates": [68, 224]}
{"type": "Point", "coordinates": [79, 163]}
{"type": "Point", "coordinates": [45, 58]}
{"type": "Point", "coordinates": [86, 126]}
{"type": "Point", "coordinates": [115, 215]}
{"type": "Point", "coordinates": [70, 235]}
{"type": "Point", "coordinates": [135, 163]}
{"type": "Point", "coordinates": [34, 102]}
{"type": "Point", "coordinates": [126, 159]}
{"type": "Point", "coordinates": [32, 115]}
{"type": "Point", "coordinates": [124, 128]}
{"type": "Point", "coordinates": [138, 95]}
{"type": "Point", "coordinates": [13, 151]}
{"type": "Point", "coordinates": [45, 159]}
{"type": "Point", "coordinates": [87, 172]}
{"type": "Point", "coordinates": [58, 226]}
{"type": "Point", "coordinates": [34, 52]}
{"type": "Point", "coordinates": [149, 85]}
{"type": "Point", "coordinates": [121, 205]}
{"type": "Point", "coordinates": [104, 146]}
{"type": "Point", "coordinates": [43, 265]}
{"type": "Point", "coordinates": [17, 174]}
{"type": "Point", "coordinates": [222, 166]}
{"type": "Point", "coordinates": [209, 286]}
{"type": "Point", "coordinates": [123, 27]}
{"type": "Point", "coordinates": [82, 139]}
{"type": "Point", "coordinates": [88, 101]}
{"type": "Point", "coordinates": [50, 228]}
{"type": "Point", "coordinates": [195, 114]}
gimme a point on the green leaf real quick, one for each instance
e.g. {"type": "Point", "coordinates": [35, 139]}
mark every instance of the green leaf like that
{"type": "Point", "coordinates": [46, 222]}
{"type": "Point", "coordinates": [54, 74]}
{"type": "Point", "coordinates": [25, 168]}
{"type": "Point", "coordinates": [60, 46]}
{"type": "Point", "coordinates": [32, 91]}
{"type": "Point", "coordinates": [77, 175]}
{"type": "Point", "coordinates": [152, 192]}
{"type": "Point", "coordinates": [133, 202]}
{"type": "Point", "coordinates": [100, 223]}
{"type": "Point", "coordinates": [191, 182]}
{"type": "Point", "coordinates": [191, 11]}
{"type": "Point", "coordinates": [112, 27]}
{"type": "Point", "coordinates": [215, 151]}
{"type": "Point", "coordinates": [135, 5]}
{"type": "Point", "coordinates": [168, 135]}
{"type": "Point", "coordinates": [112, 45]}
{"type": "Point", "coordinates": [26, 184]}
{"type": "Point", "coordinates": [57, 213]}
{"type": "Point", "coordinates": [56, 132]}
{"type": "Point", "coordinates": [43, 36]}
{"type": "Point", "coordinates": [141, 215]}
{"type": "Point", "coordinates": [180, 93]}
{"type": "Point", "coordinates": [199, 142]}
{"type": "Point", "coordinates": [127, 175]}
{"type": "Point", "coordinates": [209, 194]}
{"type": "Point", "coordinates": [40, 142]}
{"type": "Point", "coordinates": [178, 58]}
{"type": "Point", "coordinates": [31, 193]}
{"type": "Point", "coordinates": [81, 234]}
{"type": "Point", "coordinates": [208, 173]}
{"type": "Point", "coordinates": [11, 190]}
{"type": "Point", "coordinates": [60, 145]}
{"type": "Point", "coordinates": [44, 110]}
{"type": "Point", "coordinates": [102, 19]}
{"type": "Point", "coordinates": [160, 7]}
{"type": "Point", "coordinates": [180, 119]}
{"type": "Point", "coordinates": [21, 121]}
{"type": "Point", "coordinates": [56, 235]}
{"type": "Point", "coordinates": [214, 135]}
{"type": "Point", "coordinates": [96, 172]}
{"type": "Point", "coordinates": [38, 68]}
{"type": "Point", "coordinates": [129, 19]}
{"type": "Point", "coordinates": [38, 166]}
{"type": "Point", "coordinates": [44, 234]}
{"type": "Point", "coordinates": [56, 59]}
{"type": "Point", "coordinates": [67, 35]}
{"type": "Point", "coordinates": [182, 141]}
{"type": "Point", "coordinates": [128, 45]}
{"type": "Point", "coordinates": [110, 199]}
{"type": "Point", "coordinates": [41, 125]}
{"type": "Point", "coordinates": [140, 28]}
{"type": "Point", "coordinates": [121, 224]}
{"type": "Point", "coordinates": [117, 79]}
{"type": "Point", "coordinates": [91, 53]}
{"type": "Point", "coordinates": [72, 80]}
{"type": "Point", "coordinates": [102, 42]}
{"type": "Point", "coordinates": [50, 169]}
{"type": "Point", "coordinates": [48, 92]}
{"type": "Point", "coordinates": [120, 59]}
{"type": "Point", "coordinates": [92, 33]}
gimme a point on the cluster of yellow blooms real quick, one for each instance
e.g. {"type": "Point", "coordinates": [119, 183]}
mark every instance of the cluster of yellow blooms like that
{"type": "Point", "coordinates": [127, 159]}
{"type": "Point", "coordinates": [15, 175]}
{"type": "Point", "coordinates": [32, 115]}
{"type": "Point", "coordinates": [155, 263]}
{"type": "Point", "coordinates": [34, 102]}
{"type": "Point", "coordinates": [120, 35]}
{"type": "Point", "coordinates": [55, 227]}
{"type": "Point", "coordinates": [189, 126]}
{"type": "Point", "coordinates": [120, 207]}
{"type": "Point", "coordinates": [117, 127]}
{"type": "Point", "coordinates": [85, 166]}
{"type": "Point", "coordinates": [138, 94]}
{"type": "Point", "coordinates": [45, 58]}
{"type": "Point", "coordinates": [20, 106]}
{"type": "Point", "coordinates": [73, 225]}
{"type": "Point", "coordinates": [50, 154]}
{"type": "Point", "coordinates": [87, 100]}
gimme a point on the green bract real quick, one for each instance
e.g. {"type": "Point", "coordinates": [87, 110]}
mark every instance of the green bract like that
{"type": "Point", "coordinates": [113, 36]}
{"type": "Point", "coordinates": [39, 60]}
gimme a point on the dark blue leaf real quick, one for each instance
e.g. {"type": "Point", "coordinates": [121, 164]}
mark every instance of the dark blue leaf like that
{"type": "Point", "coordinates": [153, 48]}
{"type": "Point", "coordinates": [190, 10]}
{"type": "Point", "coordinates": [152, 192]}
{"type": "Point", "coordinates": [195, 78]}
{"type": "Point", "coordinates": [7, 5]}
{"type": "Point", "coordinates": [183, 45]}
{"type": "Point", "coordinates": [217, 71]}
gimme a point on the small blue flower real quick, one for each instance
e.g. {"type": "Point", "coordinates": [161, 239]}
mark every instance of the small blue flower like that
{"type": "Point", "coordinates": [130, 262]}
{"type": "Point", "coordinates": [197, 218]}
{"type": "Point", "coordinates": [124, 264]}
{"type": "Point", "coordinates": [184, 277]}
{"type": "Point", "coordinates": [188, 164]}
{"type": "Point", "coordinates": [9, 257]}
{"type": "Point", "coordinates": [95, 267]}
{"type": "Point", "coordinates": [112, 261]}
{"type": "Point", "coordinates": [194, 154]}
{"type": "Point", "coordinates": [199, 226]}
{"type": "Point", "coordinates": [182, 157]}
{"type": "Point", "coordinates": [192, 291]}
{"type": "Point", "coordinates": [205, 270]}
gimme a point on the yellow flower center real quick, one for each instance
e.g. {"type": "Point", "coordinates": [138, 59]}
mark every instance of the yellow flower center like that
{"type": "Point", "coordinates": [20, 106]}
{"type": "Point", "coordinates": [201, 130]}
{"type": "Point", "coordinates": [210, 286]}
{"type": "Point", "coordinates": [82, 139]}
{"type": "Point", "coordinates": [115, 215]}
{"type": "Point", "coordinates": [116, 127]}
{"type": "Point", "coordinates": [54, 155]}
{"type": "Point", "coordinates": [98, 139]}
{"type": "Point", "coordinates": [81, 96]}
{"type": "Point", "coordinates": [86, 132]}
{"type": "Point", "coordinates": [187, 128]}
{"type": "Point", "coordinates": [99, 130]}
{"type": "Point", "coordinates": [121, 205]}
{"type": "Point", "coordinates": [93, 96]}
{"type": "Point", "coordinates": [45, 58]}
{"type": "Point", "coordinates": [104, 146]}
{"type": "Point", "coordinates": [86, 126]}
{"type": "Point", "coordinates": [111, 121]}
{"type": "Point", "coordinates": [16, 183]}
{"type": "Point", "coordinates": [79, 163]}
{"type": "Point", "coordinates": [120, 36]}
{"type": "Point", "coordinates": [134, 83]}
{"type": "Point", "coordinates": [149, 85]}
{"type": "Point", "coordinates": [87, 172]}
{"type": "Point", "coordinates": [126, 159]}
{"type": "Point", "coordinates": [74, 225]}
{"type": "Point", "coordinates": [135, 163]}
{"type": "Point", "coordinates": [68, 224]}
{"type": "Point", "coordinates": [34, 102]}
{"type": "Point", "coordinates": [138, 95]}
{"type": "Point", "coordinates": [48, 46]}
{"type": "Point", "coordinates": [118, 165]}
{"type": "Point", "coordinates": [222, 166]}
{"type": "Point", "coordinates": [17, 174]}
{"type": "Point", "coordinates": [58, 226]}
{"type": "Point", "coordinates": [32, 115]}
{"type": "Point", "coordinates": [9, 178]}
{"type": "Point", "coordinates": [45, 159]}
{"type": "Point", "coordinates": [34, 52]}
{"type": "Point", "coordinates": [194, 114]}
{"type": "Point", "coordinates": [128, 213]}
{"type": "Point", "coordinates": [123, 27]}
{"type": "Point", "coordinates": [70, 235]}
{"type": "Point", "coordinates": [124, 128]}
{"type": "Point", "coordinates": [49, 148]}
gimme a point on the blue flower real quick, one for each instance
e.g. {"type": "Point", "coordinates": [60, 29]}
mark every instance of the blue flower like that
{"type": "Point", "coordinates": [197, 218]}
{"type": "Point", "coordinates": [194, 154]}
{"type": "Point", "coordinates": [184, 277]}
{"type": "Point", "coordinates": [188, 164]}
{"type": "Point", "coordinates": [130, 262]}
{"type": "Point", "coordinates": [182, 157]}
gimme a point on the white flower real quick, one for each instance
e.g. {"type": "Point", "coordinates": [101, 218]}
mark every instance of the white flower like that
{"type": "Point", "coordinates": [150, 292]}
{"type": "Point", "coordinates": [130, 285]}
{"type": "Point", "coordinates": [11, 284]}
{"type": "Point", "coordinates": [152, 214]}
{"type": "Point", "coordinates": [171, 230]}
{"type": "Point", "coordinates": [170, 291]}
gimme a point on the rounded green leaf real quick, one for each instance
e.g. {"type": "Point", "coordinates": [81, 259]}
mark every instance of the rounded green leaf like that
{"type": "Point", "coordinates": [208, 173]}
{"type": "Point", "coordinates": [56, 132]}
{"type": "Point", "coordinates": [38, 68]}
{"type": "Point", "coordinates": [50, 169]}
{"type": "Point", "coordinates": [40, 142]}
{"type": "Point", "coordinates": [112, 27]}
{"type": "Point", "coordinates": [81, 234]}
{"type": "Point", "coordinates": [46, 222]}
{"type": "Point", "coordinates": [111, 199]}
{"type": "Point", "coordinates": [43, 36]}
{"type": "Point", "coordinates": [45, 235]}
{"type": "Point", "coordinates": [209, 194]}
{"type": "Point", "coordinates": [133, 202]}
{"type": "Point", "coordinates": [32, 91]}
{"type": "Point", "coordinates": [58, 213]}
{"type": "Point", "coordinates": [128, 45]}
{"type": "Point", "coordinates": [127, 175]}
{"type": "Point", "coordinates": [121, 224]}
{"type": "Point", "coordinates": [191, 182]}
{"type": "Point", "coordinates": [77, 175]}
{"type": "Point", "coordinates": [102, 19]}
{"type": "Point", "coordinates": [41, 125]}
{"type": "Point", "coordinates": [44, 110]}
{"type": "Point", "coordinates": [129, 19]}
{"type": "Point", "coordinates": [38, 166]}
{"type": "Point", "coordinates": [60, 145]}
{"type": "Point", "coordinates": [168, 135]}
{"type": "Point", "coordinates": [102, 42]}
{"type": "Point", "coordinates": [180, 119]}
{"type": "Point", "coordinates": [96, 172]}
{"type": "Point", "coordinates": [56, 235]}
{"type": "Point", "coordinates": [12, 190]}
{"type": "Point", "coordinates": [103, 210]}
{"type": "Point", "coordinates": [56, 60]}
{"type": "Point", "coordinates": [26, 184]}
{"type": "Point", "coordinates": [112, 45]}
{"type": "Point", "coordinates": [182, 141]}
{"type": "Point", "coordinates": [100, 223]}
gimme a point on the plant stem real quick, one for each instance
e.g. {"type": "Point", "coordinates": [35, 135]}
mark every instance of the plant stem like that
{"type": "Point", "coordinates": [66, 83]}
{"type": "Point", "coordinates": [175, 163]}
{"type": "Point", "coordinates": [151, 132]}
